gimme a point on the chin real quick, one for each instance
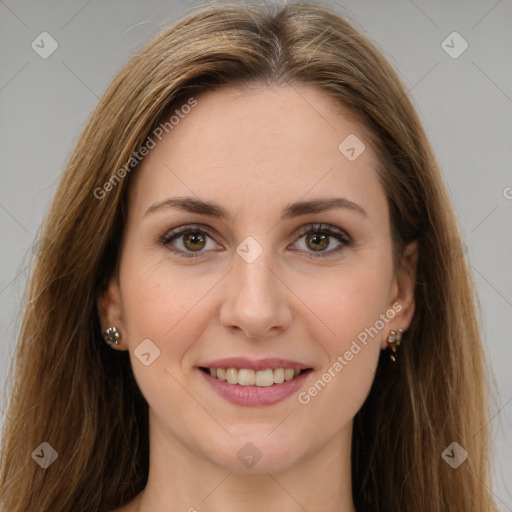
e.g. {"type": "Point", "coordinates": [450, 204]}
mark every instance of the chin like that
{"type": "Point", "coordinates": [259, 454]}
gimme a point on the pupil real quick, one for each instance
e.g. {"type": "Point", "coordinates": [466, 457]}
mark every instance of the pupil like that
{"type": "Point", "coordinates": [321, 240]}
{"type": "Point", "coordinates": [194, 239]}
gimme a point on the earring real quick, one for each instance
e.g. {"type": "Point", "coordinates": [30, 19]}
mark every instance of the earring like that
{"type": "Point", "coordinates": [112, 335]}
{"type": "Point", "coordinates": [393, 341]}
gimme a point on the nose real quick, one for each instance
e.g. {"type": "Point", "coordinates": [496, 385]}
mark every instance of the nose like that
{"type": "Point", "coordinates": [257, 301]}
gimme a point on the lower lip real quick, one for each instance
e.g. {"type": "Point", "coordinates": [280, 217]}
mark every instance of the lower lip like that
{"type": "Point", "coordinates": [252, 396]}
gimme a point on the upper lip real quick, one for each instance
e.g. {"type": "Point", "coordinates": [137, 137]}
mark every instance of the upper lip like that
{"type": "Point", "coordinates": [255, 364]}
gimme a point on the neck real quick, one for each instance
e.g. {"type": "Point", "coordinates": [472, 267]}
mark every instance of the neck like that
{"type": "Point", "coordinates": [180, 479]}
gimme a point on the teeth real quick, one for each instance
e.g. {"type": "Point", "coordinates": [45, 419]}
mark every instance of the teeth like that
{"type": "Point", "coordinates": [264, 378]}
{"type": "Point", "coordinates": [248, 377]}
{"type": "Point", "coordinates": [288, 374]}
{"type": "Point", "coordinates": [232, 375]}
{"type": "Point", "coordinates": [278, 375]}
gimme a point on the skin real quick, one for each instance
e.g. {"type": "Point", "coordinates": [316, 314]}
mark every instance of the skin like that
{"type": "Point", "coordinates": [254, 152]}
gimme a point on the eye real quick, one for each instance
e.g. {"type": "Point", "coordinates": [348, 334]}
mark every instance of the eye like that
{"type": "Point", "coordinates": [317, 239]}
{"type": "Point", "coordinates": [192, 240]}
{"type": "Point", "coordinates": [187, 240]}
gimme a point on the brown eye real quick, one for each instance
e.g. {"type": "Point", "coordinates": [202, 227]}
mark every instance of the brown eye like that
{"type": "Point", "coordinates": [318, 237]}
{"type": "Point", "coordinates": [194, 241]}
{"type": "Point", "coordinates": [317, 242]}
{"type": "Point", "coordinates": [189, 241]}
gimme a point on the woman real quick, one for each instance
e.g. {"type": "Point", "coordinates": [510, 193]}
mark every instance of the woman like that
{"type": "Point", "coordinates": [246, 296]}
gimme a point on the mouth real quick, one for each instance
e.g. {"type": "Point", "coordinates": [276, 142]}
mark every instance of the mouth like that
{"type": "Point", "coordinates": [255, 383]}
{"type": "Point", "coordinates": [259, 378]}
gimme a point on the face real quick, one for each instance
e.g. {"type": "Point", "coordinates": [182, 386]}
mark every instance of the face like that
{"type": "Point", "coordinates": [282, 284]}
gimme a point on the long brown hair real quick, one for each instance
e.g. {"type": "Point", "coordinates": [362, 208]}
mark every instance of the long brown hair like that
{"type": "Point", "coordinates": [71, 390]}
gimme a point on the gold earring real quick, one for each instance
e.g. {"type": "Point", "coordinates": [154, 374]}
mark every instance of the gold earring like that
{"type": "Point", "coordinates": [393, 341]}
{"type": "Point", "coordinates": [112, 335]}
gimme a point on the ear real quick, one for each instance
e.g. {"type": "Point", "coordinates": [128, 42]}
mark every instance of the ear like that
{"type": "Point", "coordinates": [402, 291]}
{"type": "Point", "coordinates": [110, 311]}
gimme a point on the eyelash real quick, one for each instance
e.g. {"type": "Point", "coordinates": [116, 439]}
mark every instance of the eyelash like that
{"type": "Point", "coordinates": [324, 229]}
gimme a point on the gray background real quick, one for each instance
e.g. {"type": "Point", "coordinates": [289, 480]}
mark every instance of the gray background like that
{"type": "Point", "coordinates": [465, 104]}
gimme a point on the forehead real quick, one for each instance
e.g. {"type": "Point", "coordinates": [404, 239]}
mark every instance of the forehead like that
{"type": "Point", "coordinates": [254, 146]}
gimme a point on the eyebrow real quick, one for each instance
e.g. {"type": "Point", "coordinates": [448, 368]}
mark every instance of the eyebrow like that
{"type": "Point", "coordinates": [211, 209]}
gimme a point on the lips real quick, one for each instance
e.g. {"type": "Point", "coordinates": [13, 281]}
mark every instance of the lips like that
{"type": "Point", "coordinates": [251, 383]}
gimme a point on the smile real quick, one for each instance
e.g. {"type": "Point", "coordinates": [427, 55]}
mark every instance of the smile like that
{"type": "Point", "coordinates": [266, 383]}
{"type": "Point", "coordinates": [250, 377]}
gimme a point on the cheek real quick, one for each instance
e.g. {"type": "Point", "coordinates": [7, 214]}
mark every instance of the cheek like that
{"type": "Point", "coordinates": [164, 303]}
{"type": "Point", "coordinates": [164, 306]}
{"type": "Point", "coordinates": [348, 302]}
{"type": "Point", "coordinates": [354, 309]}
{"type": "Point", "coordinates": [336, 394]}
